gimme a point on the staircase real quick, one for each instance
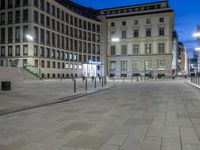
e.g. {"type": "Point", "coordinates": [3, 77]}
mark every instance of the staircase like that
{"type": "Point", "coordinates": [17, 74]}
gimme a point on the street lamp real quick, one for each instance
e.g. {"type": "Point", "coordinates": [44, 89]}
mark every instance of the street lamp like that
{"type": "Point", "coordinates": [196, 34]}
{"type": "Point", "coordinates": [115, 39]}
{"type": "Point", "coordinates": [197, 49]}
{"type": "Point", "coordinates": [29, 37]}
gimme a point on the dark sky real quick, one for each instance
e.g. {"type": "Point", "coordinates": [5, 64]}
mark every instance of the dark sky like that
{"type": "Point", "coordinates": [186, 19]}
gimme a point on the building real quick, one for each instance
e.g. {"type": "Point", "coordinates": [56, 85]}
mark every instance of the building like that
{"type": "Point", "coordinates": [175, 54]}
{"type": "Point", "coordinates": [51, 38]}
{"type": "Point", "coordinates": [182, 59]}
{"type": "Point", "coordinates": [198, 52]}
{"type": "Point", "coordinates": [138, 39]}
{"type": "Point", "coordinates": [61, 38]}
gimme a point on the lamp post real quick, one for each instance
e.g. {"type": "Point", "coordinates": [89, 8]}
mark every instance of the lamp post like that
{"type": "Point", "coordinates": [31, 39]}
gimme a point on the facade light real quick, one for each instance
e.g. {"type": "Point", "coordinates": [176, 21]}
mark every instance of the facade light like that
{"type": "Point", "coordinates": [115, 40]}
{"type": "Point", "coordinates": [196, 34]}
{"type": "Point", "coordinates": [29, 37]}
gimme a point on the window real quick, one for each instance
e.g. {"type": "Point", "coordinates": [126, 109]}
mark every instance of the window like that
{"type": "Point", "coordinates": [25, 2]}
{"type": "Point", "coordinates": [53, 39]}
{"type": "Point", "coordinates": [42, 63]}
{"type": "Point", "coordinates": [35, 16]}
{"type": "Point", "coordinates": [112, 65]}
{"type": "Point", "coordinates": [123, 65]}
{"type": "Point", "coordinates": [36, 3]}
{"type": "Point", "coordinates": [135, 22]}
{"type": "Point", "coordinates": [42, 36]}
{"type": "Point", "coordinates": [42, 53]}
{"type": "Point", "coordinates": [10, 35]}
{"type": "Point", "coordinates": [148, 65]}
{"type": "Point", "coordinates": [2, 35]}
{"type": "Point", "coordinates": [161, 31]}
{"type": "Point", "coordinates": [35, 50]}
{"type": "Point", "coordinates": [53, 64]}
{"type": "Point", "coordinates": [48, 22]}
{"type": "Point", "coordinates": [36, 34]}
{"type": "Point", "coordinates": [123, 34]}
{"type": "Point", "coordinates": [17, 50]}
{"type": "Point", "coordinates": [17, 34]}
{"type": "Point", "coordinates": [9, 3]}
{"type": "Point", "coordinates": [48, 37]}
{"type": "Point", "coordinates": [161, 19]}
{"type": "Point", "coordinates": [2, 4]}
{"type": "Point", "coordinates": [148, 48]}
{"type": "Point", "coordinates": [25, 50]}
{"type": "Point", "coordinates": [71, 20]}
{"type": "Point", "coordinates": [17, 3]}
{"type": "Point", "coordinates": [25, 32]}
{"type": "Point", "coordinates": [112, 24]}
{"type": "Point", "coordinates": [53, 10]}
{"type": "Point", "coordinates": [42, 19]}
{"type": "Point", "coordinates": [148, 21]}
{"type": "Point", "coordinates": [17, 16]}
{"type": "Point", "coordinates": [93, 49]}
{"type": "Point", "coordinates": [3, 51]}
{"type": "Point", "coordinates": [161, 48]}
{"type": "Point", "coordinates": [58, 26]}
{"type": "Point", "coordinates": [36, 63]}
{"type": "Point", "coordinates": [135, 65]}
{"type": "Point", "coordinates": [136, 49]}
{"type": "Point", "coordinates": [25, 15]}
{"type": "Point", "coordinates": [48, 53]}
{"type": "Point", "coordinates": [58, 13]}
{"type": "Point", "coordinates": [124, 23]}
{"type": "Point", "coordinates": [58, 40]}
{"type": "Point", "coordinates": [48, 7]}
{"type": "Point", "coordinates": [135, 33]}
{"type": "Point", "coordinates": [98, 49]}
{"type": "Point", "coordinates": [48, 64]}
{"type": "Point", "coordinates": [161, 64]}
{"type": "Point", "coordinates": [148, 32]}
{"type": "Point", "coordinates": [42, 5]}
{"type": "Point", "coordinates": [10, 51]}
{"type": "Point", "coordinates": [124, 50]}
{"type": "Point", "coordinates": [10, 17]}
{"type": "Point", "coordinates": [113, 50]}
{"type": "Point", "coordinates": [2, 18]}
{"type": "Point", "coordinates": [53, 24]}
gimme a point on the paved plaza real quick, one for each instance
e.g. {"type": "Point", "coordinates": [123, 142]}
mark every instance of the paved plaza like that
{"type": "Point", "coordinates": [31, 93]}
{"type": "Point", "coordinates": [153, 115]}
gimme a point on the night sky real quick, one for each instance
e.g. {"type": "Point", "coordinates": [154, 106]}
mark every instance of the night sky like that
{"type": "Point", "coordinates": [187, 15]}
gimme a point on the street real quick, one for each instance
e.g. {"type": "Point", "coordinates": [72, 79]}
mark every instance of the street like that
{"type": "Point", "coordinates": [153, 115]}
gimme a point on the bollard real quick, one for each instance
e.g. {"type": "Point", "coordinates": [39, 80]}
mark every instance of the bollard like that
{"type": "Point", "coordinates": [74, 85]}
{"type": "Point", "coordinates": [123, 79]}
{"type": "Point", "coordinates": [113, 79]}
{"type": "Point", "coordinates": [86, 84]}
{"type": "Point", "coordinates": [102, 82]}
{"type": "Point", "coordinates": [137, 78]}
{"type": "Point", "coordinates": [105, 81]}
{"type": "Point", "coordinates": [95, 83]}
{"type": "Point", "coordinates": [131, 79]}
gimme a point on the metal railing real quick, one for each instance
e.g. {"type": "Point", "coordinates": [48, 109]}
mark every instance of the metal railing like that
{"type": "Point", "coordinates": [195, 80]}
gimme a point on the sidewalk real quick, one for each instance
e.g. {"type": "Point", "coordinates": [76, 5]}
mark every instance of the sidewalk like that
{"type": "Point", "coordinates": [33, 93]}
{"type": "Point", "coordinates": [193, 85]}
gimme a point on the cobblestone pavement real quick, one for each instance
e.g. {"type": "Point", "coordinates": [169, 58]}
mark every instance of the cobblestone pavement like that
{"type": "Point", "coordinates": [154, 115]}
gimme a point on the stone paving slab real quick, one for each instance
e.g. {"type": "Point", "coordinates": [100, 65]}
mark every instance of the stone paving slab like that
{"type": "Point", "coordinates": [121, 118]}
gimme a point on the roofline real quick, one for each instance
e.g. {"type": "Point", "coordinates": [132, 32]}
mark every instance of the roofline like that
{"type": "Point", "coordinates": [133, 5]}
{"type": "Point", "coordinates": [139, 14]}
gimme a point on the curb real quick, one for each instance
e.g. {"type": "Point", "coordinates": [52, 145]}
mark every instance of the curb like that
{"type": "Point", "coordinates": [194, 86]}
{"type": "Point", "coordinates": [58, 101]}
